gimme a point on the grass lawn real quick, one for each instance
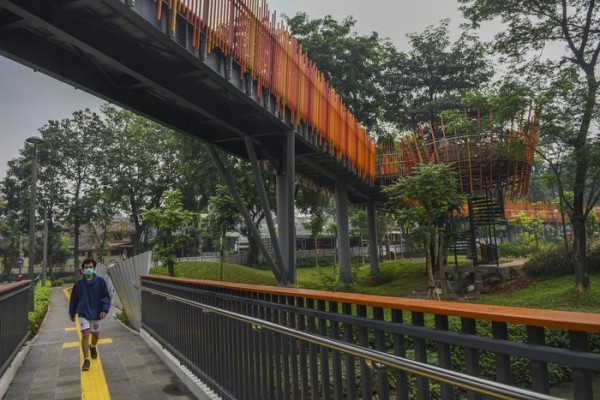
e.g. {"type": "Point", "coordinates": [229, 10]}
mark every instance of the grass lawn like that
{"type": "Point", "coordinates": [211, 271]}
{"type": "Point", "coordinates": [401, 278]}
{"type": "Point", "coordinates": [551, 294]}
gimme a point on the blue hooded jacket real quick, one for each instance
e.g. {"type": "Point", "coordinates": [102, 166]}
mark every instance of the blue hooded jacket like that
{"type": "Point", "coordinates": [89, 298]}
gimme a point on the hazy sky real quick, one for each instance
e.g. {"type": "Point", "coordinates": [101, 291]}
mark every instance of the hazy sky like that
{"type": "Point", "coordinates": [29, 99]}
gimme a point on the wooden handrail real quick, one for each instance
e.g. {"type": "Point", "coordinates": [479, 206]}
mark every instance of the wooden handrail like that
{"type": "Point", "coordinates": [576, 321]}
{"type": "Point", "coordinates": [13, 285]}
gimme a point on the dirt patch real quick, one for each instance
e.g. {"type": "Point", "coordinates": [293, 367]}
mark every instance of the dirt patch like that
{"type": "Point", "coordinates": [517, 281]}
{"type": "Point", "coordinates": [493, 284]}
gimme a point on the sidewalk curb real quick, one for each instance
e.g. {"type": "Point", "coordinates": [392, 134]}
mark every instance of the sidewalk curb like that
{"type": "Point", "coordinates": [13, 368]}
{"type": "Point", "coordinates": [195, 385]}
{"type": "Point", "coordinates": [9, 375]}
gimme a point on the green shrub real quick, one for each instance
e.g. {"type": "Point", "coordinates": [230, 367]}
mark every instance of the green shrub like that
{"type": "Point", "coordinates": [41, 299]}
{"type": "Point", "coordinates": [557, 261]}
{"type": "Point", "coordinates": [551, 263]}
{"type": "Point", "coordinates": [513, 250]}
{"type": "Point", "coordinates": [593, 257]}
{"type": "Point", "coordinates": [123, 318]}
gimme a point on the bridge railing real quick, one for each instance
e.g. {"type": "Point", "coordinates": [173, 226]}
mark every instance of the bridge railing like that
{"type": "Point", "coordinates": [248, 32]}
{"type": "Point", "coordinates": [15, 301]}
{"type": "Point", "coordinates": [257, 342]}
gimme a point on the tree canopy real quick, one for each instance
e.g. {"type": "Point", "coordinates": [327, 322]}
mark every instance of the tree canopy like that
{"type": "Point", "coordinates": [434, 75]}
{"type": "Point", "coordinates": [171, 221]}
{"type": "Point", "coordinates": [567, 87]}
{"type": "Point", "coordinates": [431, 194]}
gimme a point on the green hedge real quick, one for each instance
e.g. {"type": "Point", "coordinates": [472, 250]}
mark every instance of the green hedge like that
{"type": "Point", "coordinates": [557, 261]}
{"type": "Point", "coordinates": [41, 297]}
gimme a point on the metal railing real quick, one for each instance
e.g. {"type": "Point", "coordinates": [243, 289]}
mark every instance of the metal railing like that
{"type": "Point", "coordinates": [14, 325]}
{"type": "Point", "coordinates": [251, 342]}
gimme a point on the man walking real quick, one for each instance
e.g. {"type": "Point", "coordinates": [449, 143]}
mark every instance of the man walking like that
{"type": "Point", "coordinates": [91, 301]}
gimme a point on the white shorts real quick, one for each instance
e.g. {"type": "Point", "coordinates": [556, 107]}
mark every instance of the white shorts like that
{"type": "Point", "coordinates": [89, 326]}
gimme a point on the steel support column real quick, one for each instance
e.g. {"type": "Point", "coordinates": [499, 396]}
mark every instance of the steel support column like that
{"type": "Point", "coordinates": [285, 210]}
{"type": "Point", "coordinates": [343, 231]}
{"type": "Point", "coordinates": [264, 202]}
{"type": "Point", "coordinates": [245, 214]}
{"type": "Point", "coordinates": [373, 239]}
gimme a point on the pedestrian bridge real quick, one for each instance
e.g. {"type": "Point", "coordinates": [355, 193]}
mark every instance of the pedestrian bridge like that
{"type": "Point", "coordinates": [223, 71]}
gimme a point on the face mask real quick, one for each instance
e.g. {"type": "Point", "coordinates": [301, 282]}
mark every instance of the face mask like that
{"type": "Point", "coordinates": [88, 271]}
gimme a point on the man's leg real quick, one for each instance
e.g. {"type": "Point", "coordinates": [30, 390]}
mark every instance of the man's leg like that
{"type": "Point", "coordinates": [85, 343]}
{"type": "Point", "coordinates": [84, 325]}
{"type": "Point", "coordinates": [85, 346]}
{"type": "Point", "coordinates": [95, 332]}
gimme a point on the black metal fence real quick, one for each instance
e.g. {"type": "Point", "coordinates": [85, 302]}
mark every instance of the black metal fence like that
{"type": "Point", "coordinates": [14, 329]}
{"type": "Point", "coordinates": [255, 342]}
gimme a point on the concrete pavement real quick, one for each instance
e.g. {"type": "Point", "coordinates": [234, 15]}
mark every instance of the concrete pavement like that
{"type": "Point", "coordinates": [127, 367]}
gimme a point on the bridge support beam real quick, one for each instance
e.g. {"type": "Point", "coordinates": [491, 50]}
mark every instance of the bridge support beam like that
{"type": "Point", "coordinates": [373, 239]}
{"type": "Point", "coordinates": [243, 210]}
{"type": "Point", "coordinates": [285, 211]}
{"type": "Point", "coordinates": [343, 231]}
{"type": "Point", "coordinates": [264, 203]}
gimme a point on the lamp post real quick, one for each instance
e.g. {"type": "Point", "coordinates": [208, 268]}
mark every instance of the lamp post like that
{"type": "Point", "coordinates": [34, 140]}
{"type": "Point", "coordinates": [45, 202]}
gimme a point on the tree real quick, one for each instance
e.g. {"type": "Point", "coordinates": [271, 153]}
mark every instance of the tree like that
{"type": "Point", "coordinates": [197, 184]}
{"type": "Point", "coordinates": [11, 238]}
{"type": "Point", "coordinates": [223, 217]}
{"type": "Point", "coordinates": [143, 162]}
{"type": "Point", "coordinates": [246, 186]}
{"type": "Point", "coordinates": [434, 75]}
{"type": "Point", "coordinates": [532, 229]}
{"type": "Point", "coordinates": [171, 221]}
{"type": "Point", "coordinates": [70, 157]}
{"type": "Point", "coordinates": [16, 191]}
{"type": "Point", "coordinates": [103, 213]}
{"type": "Point", "coordinates": [360, 224]}
{"type": "Point", "coordinates": [315, 203]}
{"type": "Point", "coordinates": [431, 193]}
{"type": "Point", "coordinates": [332, 231]}
{"type": "Point", "coordinates": [569, 85]}
{"type": "Point", "coordinates": [351, 63]}
{"type": "Point", "coordinates": [558, 204]}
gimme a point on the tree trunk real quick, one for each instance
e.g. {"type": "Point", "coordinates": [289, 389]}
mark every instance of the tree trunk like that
{"type": "Point", "coordinates": [582, 279]}
{"type": "Point", "coordinates": [428, 262]}
{"type": "Point", "coordinates": [442, 264]}
{"type": "Point", "coordinates": [316, 253]}
{"type": "Point", "coordinates": [136, 242]}
{"type": "Point", "coordinates": [222, 254]}
{"type": "Point", "coordinates": [362, 250]}
{"type": "Point", "coordinates": [76, 247]}
{"type": "Point", "coordinates": [386, 237]}
{"type": "Point", "coordinates": [334, 251]}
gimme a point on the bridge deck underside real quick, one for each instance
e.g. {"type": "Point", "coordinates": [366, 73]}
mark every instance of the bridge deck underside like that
{"type": "Point", "coordinates": [125, 56]}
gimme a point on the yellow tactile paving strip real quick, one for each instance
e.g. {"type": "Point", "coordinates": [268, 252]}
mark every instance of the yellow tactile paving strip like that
{"type": "Point", "coordinates": [93, 382]}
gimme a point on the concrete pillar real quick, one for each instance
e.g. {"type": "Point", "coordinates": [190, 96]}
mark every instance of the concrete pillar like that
{"type": "Point", "coordinates": [343, 231]}
{"type": "Point", "coordinates": [373, 239]}
{"type": "Point", "coordinates": [285, 211]}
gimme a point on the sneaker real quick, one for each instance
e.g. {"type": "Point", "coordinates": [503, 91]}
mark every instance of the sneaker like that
{"type": "Point", "coordinates": [86, 365]}
{"type": "Point", "coordinates": [93, 352]}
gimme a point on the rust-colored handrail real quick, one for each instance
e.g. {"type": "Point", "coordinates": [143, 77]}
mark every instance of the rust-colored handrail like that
{"type": "Point", "coordinates": [575, 321]}
{"type": "Point", "coordinates": [11, 286]}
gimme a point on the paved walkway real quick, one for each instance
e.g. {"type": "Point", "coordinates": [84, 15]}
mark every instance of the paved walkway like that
{"type": "Point", "coordinates": [126, 368]}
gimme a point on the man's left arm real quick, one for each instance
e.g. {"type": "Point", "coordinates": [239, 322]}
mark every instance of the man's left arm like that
{"type": "Point", "coordinates": [104, 300]}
